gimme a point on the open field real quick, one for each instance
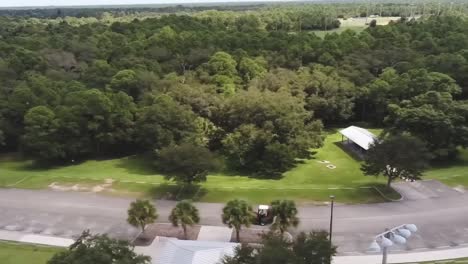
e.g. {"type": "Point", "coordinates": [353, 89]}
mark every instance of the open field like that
{"type": "Point", "coordinates": [14, 253]}
{"type": "Point", "coordinates": [356, 24]}
{"type": "Point", "coordinates": [309, 181]}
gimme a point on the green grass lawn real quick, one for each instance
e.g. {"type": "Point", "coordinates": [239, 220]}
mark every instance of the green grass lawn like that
{"type": "Point", "coordinates": [322, 33]}
{"type": "Point", "coordinates": [310, 181]}
{"type": "Point", "coordinates": [454, 173]}
{"type": "Point", "coordinates": [13, 253]}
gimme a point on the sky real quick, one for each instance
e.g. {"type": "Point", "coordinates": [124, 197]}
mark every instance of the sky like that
{"type": "Point", "coordinates": [18, 3]}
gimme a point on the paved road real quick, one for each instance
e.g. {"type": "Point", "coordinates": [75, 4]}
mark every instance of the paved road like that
{"type": "Point", "coordinates": [442, 220]}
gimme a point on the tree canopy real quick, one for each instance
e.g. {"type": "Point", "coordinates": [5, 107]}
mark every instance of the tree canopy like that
{"type": "Point", "coordinates": [141, 213]}
{"type": "Point", "coordinates": [399, 156]}
{"type": "Point", "coordinates": [184, 214]}
{"type": "Point", "coordinates": [256, 88]}
{"type": "Point", "coordinates": [186, 163]}
{"type": "Point", "coordinates": [237, 213]}
{"type": "Point", "coordinates": [99, 249]}
{"type": "Point", "coordinates": [306, 248]}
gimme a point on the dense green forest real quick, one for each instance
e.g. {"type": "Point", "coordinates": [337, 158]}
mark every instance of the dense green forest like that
{"type": "Point", "coordinates": [256, 88]}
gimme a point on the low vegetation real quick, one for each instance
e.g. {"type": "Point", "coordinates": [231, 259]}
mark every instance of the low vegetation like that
{"type": "Point", "coordinates": [14, 253]}
{"type": "Point", "coordinates": [310, 181]}
{"type": "Point", "coordinates": [99, 249]}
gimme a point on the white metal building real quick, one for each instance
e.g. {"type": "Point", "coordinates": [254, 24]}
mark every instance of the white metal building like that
{"type": "Point", "coordinates": [359, 136]}
{"type": "Point", "coordinates": [174, 251]}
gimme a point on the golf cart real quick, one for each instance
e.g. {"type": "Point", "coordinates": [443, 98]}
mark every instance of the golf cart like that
{"type": "Point", "coordinates": [264, 216]}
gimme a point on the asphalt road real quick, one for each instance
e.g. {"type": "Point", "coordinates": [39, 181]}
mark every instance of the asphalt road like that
{"type": "Point", "coordinates": [442, 221]}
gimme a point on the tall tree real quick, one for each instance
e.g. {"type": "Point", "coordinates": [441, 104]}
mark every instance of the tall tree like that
{"type": "Point", "coordinates": [40, 138]}
{"type": "Point", "coordinates": [436, 119]}
{"type": "Point", "coordinates": [164, 122]}
{"type": "Point", "coordinates": [237, 213]}
{"type": "Point", "coordinates": [184, 214]}
{"type": "Point", "coordinates": [99, 249]}
{"type": "Point", "coordinates": [267, 131]}
{"type": "Point", "coordinates": [313, 248]}
{"type": "Point", "coordinates": [186, 163]}
{"type": "Point", "coordinates": [285, 215]}
{"type": "Point", "coordinates": [141, 213]}
{"type": "Point", "coordinates": [398, 156]}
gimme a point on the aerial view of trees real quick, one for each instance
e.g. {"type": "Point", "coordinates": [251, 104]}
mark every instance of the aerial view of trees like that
{"type": "Point", "coordinates": [313, 247]}
{"type": "Point", "coordinates": [99, 249]}
{"type": "Point", "coordinates": [205, 90]}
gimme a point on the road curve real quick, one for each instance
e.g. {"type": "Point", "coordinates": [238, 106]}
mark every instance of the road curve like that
{"type": "Point", "coordinates": [442, 221]}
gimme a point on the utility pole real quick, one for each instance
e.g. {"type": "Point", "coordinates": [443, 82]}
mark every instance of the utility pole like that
{"type": "Point", "coordinates": [398, 235]}
{"type": "Point", "coordinates": [384, 249]}
{"type": "Point", "coordinates": [332, 198]}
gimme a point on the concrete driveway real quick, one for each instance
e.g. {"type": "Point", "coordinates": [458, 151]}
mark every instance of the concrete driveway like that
{"type": "Point", "coordinates": [442, 220]}
{"type": "Point", "coordinates": [425, 189]}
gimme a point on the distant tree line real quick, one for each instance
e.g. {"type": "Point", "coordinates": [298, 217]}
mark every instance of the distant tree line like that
{"type": "Point", "coordinates": [254, 96]}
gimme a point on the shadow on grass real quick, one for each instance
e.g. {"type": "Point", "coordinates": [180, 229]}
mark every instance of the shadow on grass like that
{"type": "Point", "coordinates": [177, 192]}
{"type": "Point", "coordinates": [348, 151]}
{"type": "Point", "coordinates": [388, 194]}
{"type": "Point", "coordinates": [461, 159]}
{"type": "Point", "coordinates": [137, 164]}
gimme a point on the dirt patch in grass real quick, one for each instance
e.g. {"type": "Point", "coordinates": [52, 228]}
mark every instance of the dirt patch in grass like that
{"type": "Point", "coordinates": [250, 235]}
{"type": "Point", "coordinates": [165, 230]}
{"type": "Point", "coordinates": [81, 187]}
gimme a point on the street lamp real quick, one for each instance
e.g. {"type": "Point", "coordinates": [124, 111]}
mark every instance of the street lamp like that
{"type": "Point", "coordinates": [332, 199]}
{"type": "Point", "coordinates": [396, 235]}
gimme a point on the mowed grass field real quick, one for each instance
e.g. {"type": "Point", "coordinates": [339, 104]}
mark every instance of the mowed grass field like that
{"type": "Point", "coordinates": [309, 182]}
{"type": "Point", "coordinates": [356, 24]}
{"type": "Point", "coordinates": [453, 173]}
{"type": "Point", "coordinates": [13, 253]}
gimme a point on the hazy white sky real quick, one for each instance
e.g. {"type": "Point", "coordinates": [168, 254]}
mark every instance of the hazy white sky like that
{"type": "Point", "coordinates": [16, 3]}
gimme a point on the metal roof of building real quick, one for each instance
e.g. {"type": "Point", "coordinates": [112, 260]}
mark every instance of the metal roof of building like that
{"type": "Point", "coordinates": [362, 137]}
{"type": "Point", "coordinates": [173, 251]}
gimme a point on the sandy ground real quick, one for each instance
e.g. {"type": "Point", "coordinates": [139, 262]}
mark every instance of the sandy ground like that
{"type": "Point", "coordinates": [165, 230]}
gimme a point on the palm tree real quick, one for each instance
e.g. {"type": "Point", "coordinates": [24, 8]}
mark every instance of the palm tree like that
{"type": "Point", "coordinates": [285, 214]}
{"type": "Point", "coordinates": [237, 213]}
{"type": "Point", "coordinates": [141, 213]}
{"type": "Point", "coordinates": [184, 214]}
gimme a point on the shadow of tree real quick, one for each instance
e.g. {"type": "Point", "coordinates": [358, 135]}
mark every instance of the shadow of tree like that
{"type": "Point", "coordinates": [137, 164]}
{"type": "Point", "coordinates": [460, 159]}
{"type": "Point", "coordinates": [177, 192]}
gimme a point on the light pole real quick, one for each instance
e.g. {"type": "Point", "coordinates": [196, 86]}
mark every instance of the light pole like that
{"type": "Point", "coordinates": [332, 198]}
{"type": "Point", "coordinates": [397, 235]}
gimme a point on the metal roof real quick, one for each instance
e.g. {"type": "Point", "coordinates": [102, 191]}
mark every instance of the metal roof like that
{"type": "Point", "coordinates": [362, 137]}
{"type": "Point", "coordinates": [173, 251]}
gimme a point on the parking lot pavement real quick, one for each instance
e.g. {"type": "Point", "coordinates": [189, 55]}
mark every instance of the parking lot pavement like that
{"type": "Point", "coordinates": [426, 189]}
{"type": "Point", "coordinates": [67, 226]}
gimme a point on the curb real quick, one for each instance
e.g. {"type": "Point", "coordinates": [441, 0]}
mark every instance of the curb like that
{"type": "Point", "coordinates": [387, 198]}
